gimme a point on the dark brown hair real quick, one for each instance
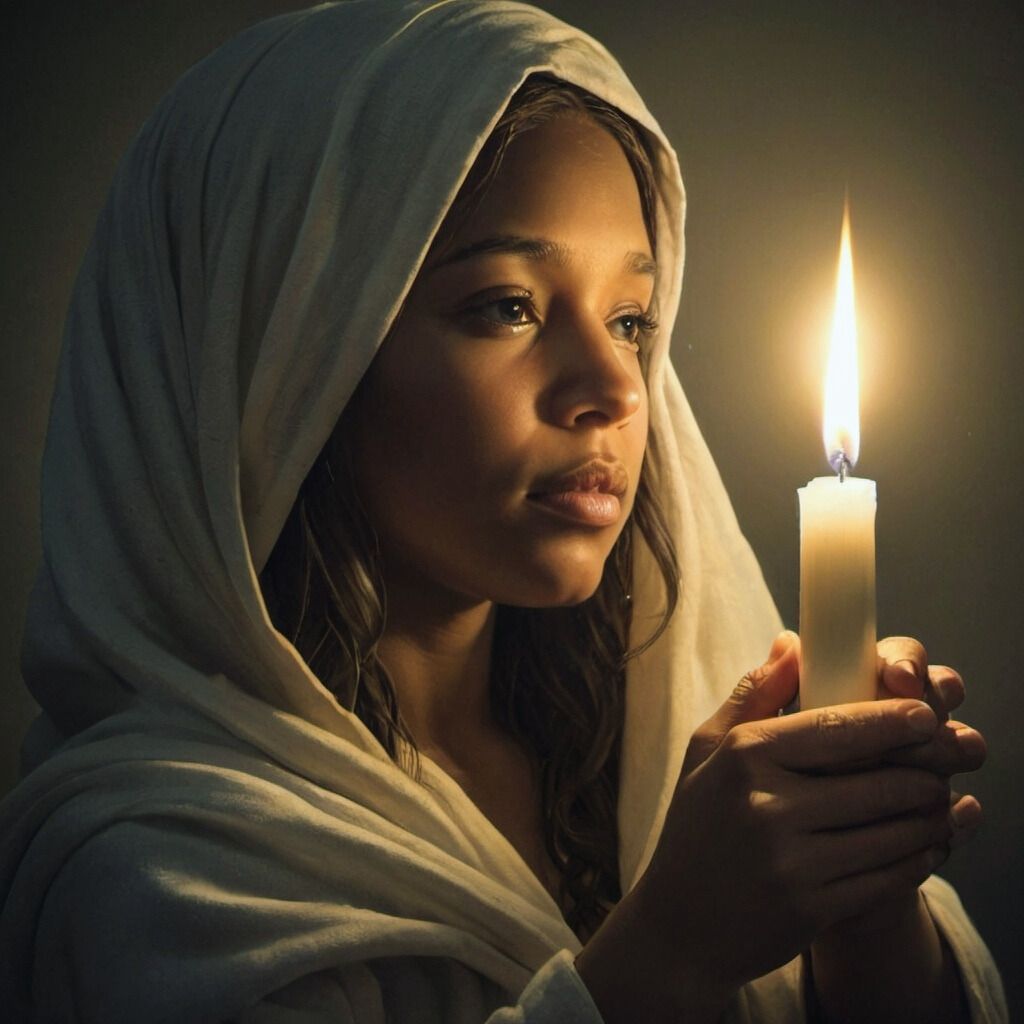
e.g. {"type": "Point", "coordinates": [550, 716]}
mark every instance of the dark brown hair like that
{"type": "Point", "coordinates": [557, 675]}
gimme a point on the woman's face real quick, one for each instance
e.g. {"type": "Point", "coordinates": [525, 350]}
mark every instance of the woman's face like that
{"type": "Point", "coordinates": [499, 435]}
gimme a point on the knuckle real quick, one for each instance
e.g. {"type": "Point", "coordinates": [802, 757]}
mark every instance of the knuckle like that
{"type": "Point", "coordinates": [741, 737]}
{"type": "Point", "coordinates": [749, 682]}
{"type": "Point", "coordinates": [732, 741]}
{"type": "Point", "coordinates": [703, 736]}
{"type": "Point", "coordinates": [761, 802]}
{"type": "Point", "coordinates": [833, 725]}
{"type": "Point", "coordinates": [740, 751]}
{"type": "Point", "coordinates": [747, 686]}
{"type": "Point", "coordinates": [759, 734]}
{"type": "Point", "coordinates": [731, 756]}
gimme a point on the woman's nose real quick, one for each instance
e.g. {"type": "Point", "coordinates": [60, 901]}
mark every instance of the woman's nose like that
{"type": "Point", "coordinates": [597, 380]}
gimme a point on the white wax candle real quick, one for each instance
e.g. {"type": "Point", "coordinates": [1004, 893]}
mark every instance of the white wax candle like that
{"type": "Point", "coordinates": [837, 591]}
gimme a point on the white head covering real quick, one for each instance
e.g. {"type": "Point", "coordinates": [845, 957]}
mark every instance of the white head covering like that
{"type": "Point", "coordinates": [260, 235]}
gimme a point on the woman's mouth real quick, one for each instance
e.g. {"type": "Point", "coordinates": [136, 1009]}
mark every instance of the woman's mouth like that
{"type": "Point", "coordinates": [590, 494]}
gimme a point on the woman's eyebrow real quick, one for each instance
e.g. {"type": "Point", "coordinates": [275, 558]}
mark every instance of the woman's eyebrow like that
{"type": "Point", "coordinates": [640, 263]}
{"type": "Point", "coordinates": [537, 249]}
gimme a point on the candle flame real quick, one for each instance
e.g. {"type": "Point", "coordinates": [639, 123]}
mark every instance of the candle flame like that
{"type": "Point", "coordinates": [841, 428]}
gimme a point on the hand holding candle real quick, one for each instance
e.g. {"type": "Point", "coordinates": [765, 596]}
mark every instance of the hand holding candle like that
{"type": "Point", "coordinates": [837, 532]}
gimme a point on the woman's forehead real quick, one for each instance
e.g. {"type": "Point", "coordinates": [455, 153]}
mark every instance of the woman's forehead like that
{"type": "Point", "coordinates": [562, 186]}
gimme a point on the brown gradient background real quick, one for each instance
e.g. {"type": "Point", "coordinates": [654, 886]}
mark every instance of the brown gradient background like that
{"type": "Point", "coordinates": [775, 108]}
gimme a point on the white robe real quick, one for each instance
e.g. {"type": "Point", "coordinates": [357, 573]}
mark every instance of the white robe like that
{"type": "Point", "coordinates": [215, 838]}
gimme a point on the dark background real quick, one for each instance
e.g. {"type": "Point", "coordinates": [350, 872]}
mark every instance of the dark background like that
{"type": "Point", "coordinates": [775, 109]}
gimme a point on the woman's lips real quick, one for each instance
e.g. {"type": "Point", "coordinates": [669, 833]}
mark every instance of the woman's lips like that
{"type": "Point", "coordinates": [590, 494]}
{"type": "Point", "coordinates": [592, 508]}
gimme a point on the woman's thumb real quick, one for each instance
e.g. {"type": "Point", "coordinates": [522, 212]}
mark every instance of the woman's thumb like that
{"type": "Point", "coordinates": [761, 693]}
{"type": "Point", "coordinates": [764, 690]}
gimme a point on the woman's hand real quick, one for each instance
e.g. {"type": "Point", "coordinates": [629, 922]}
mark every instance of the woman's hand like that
{"type": "Point", "coordinates": [783, 830]}
{"type": "Point", "coordinates": [903, 672]}
{"type": "Point", "coordinates": [779, 829]}
{"type": "Point", "coordinates": [855, 975]}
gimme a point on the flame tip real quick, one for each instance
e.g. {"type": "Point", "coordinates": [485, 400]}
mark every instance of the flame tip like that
{"type": "Point", "coordinates": [841, 427]}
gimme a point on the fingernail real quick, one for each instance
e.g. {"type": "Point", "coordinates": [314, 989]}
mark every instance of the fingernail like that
{"type": "Point", "coordinates": [922, 719]}
{"type": "Point", "coordinates": [908, 666]}
{"type": "Point", "coordinates": [780, 645]}
{"type": "Point", "coordinates": [962, 815]}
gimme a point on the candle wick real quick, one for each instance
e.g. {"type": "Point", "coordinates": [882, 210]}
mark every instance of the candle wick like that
{"type": "Point", "coordinates": [840, 462]}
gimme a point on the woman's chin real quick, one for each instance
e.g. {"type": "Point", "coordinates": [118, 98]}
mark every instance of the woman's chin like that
{"type": "Point", "coordinates": [556, 586]}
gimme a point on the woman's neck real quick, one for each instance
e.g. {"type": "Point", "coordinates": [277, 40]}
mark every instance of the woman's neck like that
{"type": "Point", "coordinates": [439, 659]}
{"type": "Point", "coordinates": [438, 654]}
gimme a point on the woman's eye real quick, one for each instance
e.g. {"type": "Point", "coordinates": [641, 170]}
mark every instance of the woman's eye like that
{"type": "Point", "coordinates": [630, 326]}
{"type": "Point", "coordinates": [627, 327]}
{"type": "Point", "coordinates": [512, 311]}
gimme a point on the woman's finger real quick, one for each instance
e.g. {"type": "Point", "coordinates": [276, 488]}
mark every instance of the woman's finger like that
{"type": "Point", "coordinates": [903, 669]}
{"type": "Point", "coordinates": [853, 851]}
{"type": "Point", "coordinates": [965, 817]}
{"type": "Point", "coordinates": [905, 654]}
{"type": "Point", "coordinates": [899, 679]}
{"type": "Point", "coordinates": [830, 738]}
{"type": "Point", "coordinates": [947, 686]}
{"type": "Point", "coordinates": [846, 801]}
{"type": "Point", "coordinates": [954, 748]}
{"type": "Point", "coordinates": [852, 896]}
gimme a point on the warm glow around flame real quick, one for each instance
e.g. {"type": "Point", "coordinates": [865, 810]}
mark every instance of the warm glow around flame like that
{"type": "Point", "coordinates": [842, 393]}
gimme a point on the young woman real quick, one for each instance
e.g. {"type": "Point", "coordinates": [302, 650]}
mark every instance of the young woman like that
{"type": "Point", "coordinates": [387, 581]}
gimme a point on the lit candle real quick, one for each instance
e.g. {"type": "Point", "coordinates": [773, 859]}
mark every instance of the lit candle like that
{"type": "Point", "coordinates": [837, 532]}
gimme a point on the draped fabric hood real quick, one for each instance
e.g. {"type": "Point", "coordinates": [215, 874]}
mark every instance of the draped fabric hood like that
{"type": "Point", "coordinates": [259, 237]}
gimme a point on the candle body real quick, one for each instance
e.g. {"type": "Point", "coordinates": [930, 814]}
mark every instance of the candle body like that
{"type": "Point", "coordinates": [837, 592]}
